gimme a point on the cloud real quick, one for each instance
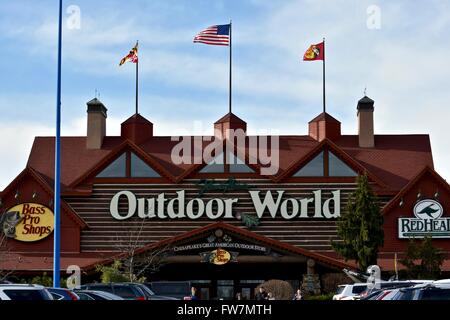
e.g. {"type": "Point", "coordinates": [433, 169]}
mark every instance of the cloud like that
{"type": "Point", "coordinates": [403, 65]}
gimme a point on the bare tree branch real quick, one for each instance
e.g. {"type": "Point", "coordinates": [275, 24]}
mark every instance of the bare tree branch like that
{"type": "Point", "coordinates": [5, 255]}
{"type": "Point", "coordinates": [136, 265]}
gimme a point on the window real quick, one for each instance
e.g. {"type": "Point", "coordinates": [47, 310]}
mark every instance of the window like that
{"type": "Point", "coordinates": [125, 292]}
{"type": "Point", "coordinates": [337, 168]}
{"type": "Point", "coordinates": [128, 165]}
{"type": "Point", "coordinates": [236, 165]}
{"type": "Point", "coordinates": [326, 164]}
{"type": "Point", "coordinates": [117, 169]}
{"type": "Point", "coordinates": [358, 289]}
{"type": "Point", "coordinates": [233, 163]}
{"type": "Point", "coordinates": [215, 166]}
{"type": "Point", "coordinates": [22, 295]}
{"type": "Point", "coordinates": [139, 169]}
{"type": "Point", "coordinates": [314, 168]}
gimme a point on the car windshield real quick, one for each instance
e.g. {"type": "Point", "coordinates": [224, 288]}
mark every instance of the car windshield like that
{"type": "Point", "coordinates": [403, 294]}
{"type": "Point", "coordinates": [147, 291]}
{"type": "Point", "coordinates": [167, 288]}
{"type": "Point", "coordinates": [101, 288]}
{"type": "Point", "coordinates": [126, 292]}
{"type": "Point", "coordinates": [340, 289]}
{"type": "Point", "coordinates": [84, 296]}
{"type": "Point", "coordinates": [14, 294]}
{"type": "Point", "coordinates": [435, 294]}
{"type": "Point", "coordinates": [358, 289]}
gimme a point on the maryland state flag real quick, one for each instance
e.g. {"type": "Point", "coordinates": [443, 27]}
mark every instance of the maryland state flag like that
{"type": "Point", "coordinates": [315, 52]}
{"type": "Point", "coordinates": [132, 56]}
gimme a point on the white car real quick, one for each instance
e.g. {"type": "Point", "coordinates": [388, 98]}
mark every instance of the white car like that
{"type": "Point", "coordinates": [24, 292]}
{"type": "Point", "coordinates": [349, 291]}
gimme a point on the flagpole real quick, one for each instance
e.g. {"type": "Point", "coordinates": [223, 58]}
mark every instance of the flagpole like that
{"type": "Point", "coordinates": [57, 226]}
{"type": "Point", "coordinates": [323, 71]}
{"type": "Point", "coordinates": [229, 97]}
{"type": "Point", "coordinates": [137, 80]}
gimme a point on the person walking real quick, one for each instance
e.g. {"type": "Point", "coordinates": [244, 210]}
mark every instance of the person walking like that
{"type": "Point", "coordinates": [194, 293]}
{"type": "Point", "coordinates": [298, 295]}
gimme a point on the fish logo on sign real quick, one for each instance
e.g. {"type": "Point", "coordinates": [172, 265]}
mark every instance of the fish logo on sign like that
{"type": "Point", "coordinates": [428, 209]}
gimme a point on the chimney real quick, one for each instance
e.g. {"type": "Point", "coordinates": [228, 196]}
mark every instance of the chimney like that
{"type": "Point", "coordinates": [324, 126]}
{"type": "Point", "coordinates": [96, 124]}
{"type": "Point", "coordinates": [365, 122]}
{"type": "Point", "coordinates": [229, 122]}
{"type": "Point", "coordinates": [137, 129]}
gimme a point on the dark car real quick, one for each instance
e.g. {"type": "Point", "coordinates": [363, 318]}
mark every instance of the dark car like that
{"type": "Point", "coordinates": [128, 291]}
{"type": "Point", "coordinates": [370, 293]}
{"type": "Point", "coordinates": [176, 289]}
{"type": "Point", "coordinates": [426, 292]}
{"type": "Point", "coordinates": [97, 295]}
{"type": "Point", "coordinates": [63, 294]}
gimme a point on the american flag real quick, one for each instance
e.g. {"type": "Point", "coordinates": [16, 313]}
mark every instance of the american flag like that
{"type": "Point", "coordinates": [215, 35]}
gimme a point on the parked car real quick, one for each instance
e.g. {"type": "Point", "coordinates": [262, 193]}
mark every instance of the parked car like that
{"type": "Point", "coordinates": [63, 294]}
{"type": "Point", "coordinates": [348, 291]}
{"type": "Point", "coordinates": [175, 289]}
{"type": "Point", "coordinates": [128, 291]}
{"type": "Point", "coordinates": [429, 291]}
{"type": "Point", "coordinates": [24, 292]}
{"type": "Point", "coordinates": [97, 295]}
{"type": "Point", "coordinates": [385, 285]}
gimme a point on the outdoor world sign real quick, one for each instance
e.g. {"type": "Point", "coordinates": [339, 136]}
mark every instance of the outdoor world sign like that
{"type": "Point", "coordinates": [27, 222]}
{"type": "Point", "coordinates": [271, 203]}
{"type": "Point", "coordinates": [428, 222]}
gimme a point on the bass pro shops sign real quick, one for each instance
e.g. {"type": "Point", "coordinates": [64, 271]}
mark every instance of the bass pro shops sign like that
{"type": "Point", "coordinates": [272, 203]}
{"type": "Point", "coordinates": [27, 222]}
{"type": "Point", "coordinates": [428, 222]}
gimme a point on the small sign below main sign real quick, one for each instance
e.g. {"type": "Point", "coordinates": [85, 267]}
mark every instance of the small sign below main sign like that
{"type": "Point", "coordinates": [219, 256]}
{"type": "Point", "coordinates": [428, 222]}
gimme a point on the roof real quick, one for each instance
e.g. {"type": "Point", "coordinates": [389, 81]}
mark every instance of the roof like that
{"type": "Point", "coordinates": [395, 159]}
{"type": "Point", "coordinates": [243, 233]}
{"type": "Point", "coordinates": [137, 118]}
{"type": "Point", "coordinates": [325, 116]}
{"type": "Point", "coordinates": [230, 117]}
{"type": "Point", "coordinates": [427, 170]}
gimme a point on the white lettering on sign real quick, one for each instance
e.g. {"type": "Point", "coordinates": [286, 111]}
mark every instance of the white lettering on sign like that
{"type": "Point", "coordinates": [269, 203]}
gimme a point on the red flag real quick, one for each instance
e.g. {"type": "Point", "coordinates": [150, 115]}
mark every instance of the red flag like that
{"type": "Point", "coordinates": [132, 56]}
{"type": "Point", "coordinates": [315, 52]}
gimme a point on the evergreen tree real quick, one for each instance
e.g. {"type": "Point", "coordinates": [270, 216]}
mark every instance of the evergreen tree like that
{"type": "Point", "coordinates": [360, 227]}
{"type": "Point", "coordinates": [422, 260]}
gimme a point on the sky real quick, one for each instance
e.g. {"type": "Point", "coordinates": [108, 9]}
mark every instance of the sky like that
{"type": "Point", "coordinates": [395, 50]}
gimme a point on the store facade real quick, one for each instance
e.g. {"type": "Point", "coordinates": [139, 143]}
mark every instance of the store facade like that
{"type": "Point", "coordinates": [225, 223]}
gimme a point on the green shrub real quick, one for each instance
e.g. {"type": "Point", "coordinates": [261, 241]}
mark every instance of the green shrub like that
{"type": "Point", "coordinates": [111, 273]}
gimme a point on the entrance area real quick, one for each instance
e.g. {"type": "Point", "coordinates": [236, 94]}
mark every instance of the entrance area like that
{"type": "Point", "coordinates": [226, 281]}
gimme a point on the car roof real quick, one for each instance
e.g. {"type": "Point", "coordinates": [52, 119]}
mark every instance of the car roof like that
{"type": "Point", "coordinates": [21, 286]}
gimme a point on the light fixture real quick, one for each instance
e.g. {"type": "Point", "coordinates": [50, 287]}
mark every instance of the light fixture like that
{"type": "Point", "coordinates": [401, 203]}
{"type": "Point", "coordinates": [436, 195]}
{"type": "Point", "coordinates": [34, 196]}
{"type": "Point", "coordinates": [17, 194]}
{"type": "Point", "coordinates": [419, 194]}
